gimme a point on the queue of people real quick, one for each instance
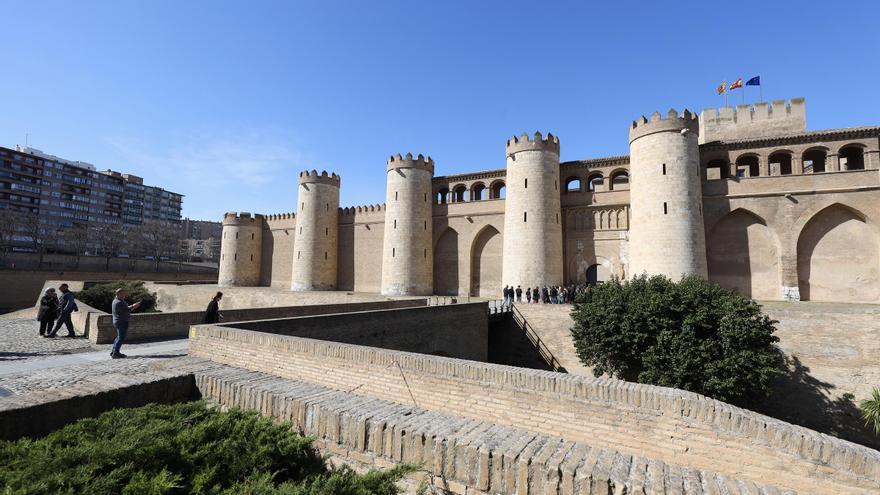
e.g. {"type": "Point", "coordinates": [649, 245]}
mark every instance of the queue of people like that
{"type": "Point", "coordinates": [561, 294]}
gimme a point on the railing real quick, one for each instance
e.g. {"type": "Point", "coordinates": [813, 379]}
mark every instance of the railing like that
{"type": "Point", "coordinates": [497, 307]}
{"type": "Point", "coordinates": [533, 337]}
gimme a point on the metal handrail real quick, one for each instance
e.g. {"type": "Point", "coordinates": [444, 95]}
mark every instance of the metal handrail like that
{"type": "Point", "coordinates": [535, 339]}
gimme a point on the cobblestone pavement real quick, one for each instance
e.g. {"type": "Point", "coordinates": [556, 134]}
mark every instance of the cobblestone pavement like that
{"type": "Point", "coordinates": [30, 363]}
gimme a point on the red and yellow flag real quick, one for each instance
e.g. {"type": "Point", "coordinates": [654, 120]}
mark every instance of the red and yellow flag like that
{"type": "Point", "coordinates": [737, 84]}
{"type": "Point", "coordinates": [722, 88]}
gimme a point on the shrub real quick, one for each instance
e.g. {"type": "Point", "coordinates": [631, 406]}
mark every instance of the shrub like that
{"type": "Point", "coordinates": [100, 296]}
{"type": "Point", "coordinates": [692, 335]}
{"type": "Point", "coordinates": [871, 411]}
{"type": "Point", "coordinates": [179, 449]}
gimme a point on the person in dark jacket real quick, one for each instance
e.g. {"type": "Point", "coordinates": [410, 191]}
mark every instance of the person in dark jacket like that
{"type": "Point", "coordinates": [212, 314]}
{"type": "Point", "coordinates": [48, 311]}
{"type": "Point", "coordinates": [68, 306]}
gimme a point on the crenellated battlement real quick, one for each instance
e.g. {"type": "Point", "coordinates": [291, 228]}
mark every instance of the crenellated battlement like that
{"type": "Point", "coordinates": [242, 218]}
{"type": "Point", "coordinates": [419, 162]}
{"type": "Point", "coordinates": [672, 122]}
{"type": "Point", "coordinates": [537, 143]}
{"type": "Point", "coordinates": [313, 177]}
{"type": "Point", "coordinates": [281, 216]}
{"type": "Point", "coordinates": [355, 210]}
{"type": "Point", "coordinates": [777, 118]}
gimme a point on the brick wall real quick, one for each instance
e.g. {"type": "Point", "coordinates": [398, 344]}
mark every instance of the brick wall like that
{"type": "Point", "coordinates": [165, 325]}
{"type": "Point", "coordinates": [667, 424]}
{"type": "Point", "coordinates": [458, 330]}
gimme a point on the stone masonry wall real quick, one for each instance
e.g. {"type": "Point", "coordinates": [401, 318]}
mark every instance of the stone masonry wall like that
{"type": "Point", "coordinates": [458, 330]}
{"type": "Point", "coordinates": [671, 425]}
{"type": "Point", "coordinates": [176, 325]}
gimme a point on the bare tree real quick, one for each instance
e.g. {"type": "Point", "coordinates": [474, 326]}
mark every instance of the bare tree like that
{"type": "Point", "coordinates": [111, 239]}
{"type": "Point", "coordinates": [76, 239]}
{"type": "Point", "coordinates": [8, 229]}
{"type": "Point", "coordinates": [160, 239]}
{"type": "Point", "coordinates": [32, 228]}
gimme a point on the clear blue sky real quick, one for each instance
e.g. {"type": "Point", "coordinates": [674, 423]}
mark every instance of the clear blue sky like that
{"type": "Point", "coordinates": [226, 102]}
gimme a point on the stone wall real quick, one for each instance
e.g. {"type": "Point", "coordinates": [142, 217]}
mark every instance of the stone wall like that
{"type": "Point", "coordinates": [277, 257]}
{"type": "Point", "coordinates": [666, 424]}
{"type": "Point", "coordinates": [459, 330]}
{"type": "Point", "coordinates": [176, 325]}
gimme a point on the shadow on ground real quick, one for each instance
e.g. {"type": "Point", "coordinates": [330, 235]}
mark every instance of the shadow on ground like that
{"type": "Point", "coordinates": [802, 399]}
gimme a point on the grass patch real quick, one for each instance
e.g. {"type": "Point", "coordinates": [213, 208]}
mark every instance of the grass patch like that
{"type": "Point", "coordinates": [180, 449]}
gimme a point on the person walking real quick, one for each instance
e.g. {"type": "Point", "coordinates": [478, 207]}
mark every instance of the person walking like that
{"type": "Point", "coordinates": [536, 295]}
{"type": "Point", "coordinates": [528, 295]}
{"type": "Point", "coordinates": [518, 294]}
{"type": "Point", "coordinates": [47, 312]}
{"type": "Point", "coordinates": [121, 317]}
{"type": "Point", "coordinates": [212, 314]}
{"type": "Point", "coordinates": [68, 306]}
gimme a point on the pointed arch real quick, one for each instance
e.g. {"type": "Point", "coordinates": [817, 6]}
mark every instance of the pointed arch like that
{"type": "Point", "coordinates": [838, 256]}
{"type": "Point", "coordinates": [446, 260]}
{"type": "Point", "coordinates": [743, 253]}
{"type": "Point", "coordinates": [486, 257]}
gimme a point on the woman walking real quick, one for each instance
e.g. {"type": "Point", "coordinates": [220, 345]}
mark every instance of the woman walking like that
{"type": "Point", "coordinates": [212, 314]}
{"type": "Point", "coordinates": [48, 311]}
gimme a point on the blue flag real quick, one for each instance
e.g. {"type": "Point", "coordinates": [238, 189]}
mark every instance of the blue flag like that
{"type": "Point", "coordinates": [755, 81]}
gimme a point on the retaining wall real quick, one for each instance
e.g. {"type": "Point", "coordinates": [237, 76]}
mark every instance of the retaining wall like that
{"type": "Point", "coordinates": [176, 325]}
{"type": "Point", "coordinates": [457, 330]}
{"type": "Point", "coordinates": [671, 425]}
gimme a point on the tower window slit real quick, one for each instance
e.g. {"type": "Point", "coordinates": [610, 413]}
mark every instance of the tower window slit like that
{"type": "Point", "coordinates": [557, 218]}
{"type": "Point", "coordinates": [426, 225]}
{"type": "Point", "coordinates": [252, 257]}
{"type": "Point", "coordinates": [325, 255]}
{"type": "Point", "coordinates": [395, 195]}
{"type": "Point", "coordinates": [252, 236]}
{"type": "Point", "coordinates": [327, 207]}
{"type": "Point", "coordinates": [235, 257]}
{"type": "Point", "coordinates": [395, 223]}
{"type": "Point", "coordinates": [426, 197]}
{"type": "Point", "coordinates": [302, 206]}
{"type": "Point", "coordinates": [664, 169]}
{"type": "Point", "coordinates": [526, 184]}
{"type": "Point", "coordinates": [426, 252]}
{"type": "Point", "coordinates": [236, 235]}
{"type": "Point", "coordinates": [326, 230]}
{"type": "Point", "coordinates": [665, 210]}
{"type": "Point", "coordinates": [525, 216]}
{"type": "Point", "coordinates": [392, 252]}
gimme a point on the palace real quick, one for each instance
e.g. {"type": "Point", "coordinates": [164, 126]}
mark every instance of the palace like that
{"type": "Point", "coordinates": [744, 196]}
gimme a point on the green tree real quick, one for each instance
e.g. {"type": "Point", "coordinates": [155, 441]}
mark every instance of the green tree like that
{"type": "Point", "coordinates": [871, 410]}
{"type": "Point", "coordinates": [693, 335]}
{"type": "Point", "coordinates": [100, 296]}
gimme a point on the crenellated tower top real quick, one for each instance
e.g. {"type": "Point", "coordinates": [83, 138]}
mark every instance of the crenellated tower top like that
{"type": "Point", "coordinates": [313, 177]}
{"type": "Point", "coordinates": [673, 122]}
{"type": "Point", "coordinates": [538, 143]}
{"type": "Point", "coordinates": [419, 162]}
{"type": "Point", "coordinates": [242, 218]}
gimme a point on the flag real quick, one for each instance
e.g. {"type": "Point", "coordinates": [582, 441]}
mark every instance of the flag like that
{"type": "Point", "coordinates": [721, 89]}
{"type": "Point", "coordinates": [737, 84]}
{"type": "Point", "coordinates": [755, 81]}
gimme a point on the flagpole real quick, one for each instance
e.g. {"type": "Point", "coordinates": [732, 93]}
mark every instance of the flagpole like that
{"type": "Point", "coordinates": [743, 93]}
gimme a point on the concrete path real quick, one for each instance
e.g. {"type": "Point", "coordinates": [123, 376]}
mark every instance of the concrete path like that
{"type": "Point", "coordinates": [174, 348]}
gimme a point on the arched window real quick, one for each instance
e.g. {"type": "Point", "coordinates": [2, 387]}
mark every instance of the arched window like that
{"type": "Point", "coordinates": [573, 184]}
{"type": "Point", "coordinates": [717, 169]}
{"type": "Point", "coordinates": [442, 196]}
{"type": "Point", "coordinates": [594, 182]}
{"type": "Point", "coordinates": [620, 181]}
{"type": "Point", "coordinates": [498, 190]}
{"type": "Point", "coordinates": [747, 166]}
{"type": "Point", "coordinates": [478, 192]}
{"type": "Point", "coordinates": [458, 194]}
{"type": "Point", "coordinates": [780, 160]}
{"type": "Point", "coordinates": [814, 161]}
{"type": "Point", "coordinates": [852, 157]}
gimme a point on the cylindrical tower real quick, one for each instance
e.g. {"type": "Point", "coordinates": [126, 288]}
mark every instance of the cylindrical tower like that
{"type": "Point", "coordinates": [532, 211]}
{"type": "Point", "coordinates": [240, 250]}
{"type": "Point", "coordinates": [666, 233]}
{"type": "Point", "coordinates": [407, 255]}
{"type": "Point", "coordinates": [317, 230]}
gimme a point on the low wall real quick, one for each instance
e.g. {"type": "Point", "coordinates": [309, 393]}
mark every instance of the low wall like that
{"type": "Point", "coordinates": [667, 424]}
{"type": "Point", "coordinates": [176, 325]}
{"type": "Point", "coordinates": [457, 330]}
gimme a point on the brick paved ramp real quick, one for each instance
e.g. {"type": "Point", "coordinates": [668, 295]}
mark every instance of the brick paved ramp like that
{"type": "Point", "coordinates": [552, 323]}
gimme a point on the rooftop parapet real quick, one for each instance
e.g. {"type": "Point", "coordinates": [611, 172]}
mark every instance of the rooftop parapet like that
{"type": "Point", "coordinates": [777, 118]}
{"type": "Point", "coordinates": [313, 177]}
{"type": "Point", "coordinates": [242, 218]}
{"type": "Point", "coordinates": [355, 210]}
{"type": "Point", "coordinates": [419, 162]}
{"type": "Point", "coordinates": [525, 143]}
{"type": "Point", "coordinates": [280, 216]}
{"type": "Point", "coordinates": [673, 122]}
